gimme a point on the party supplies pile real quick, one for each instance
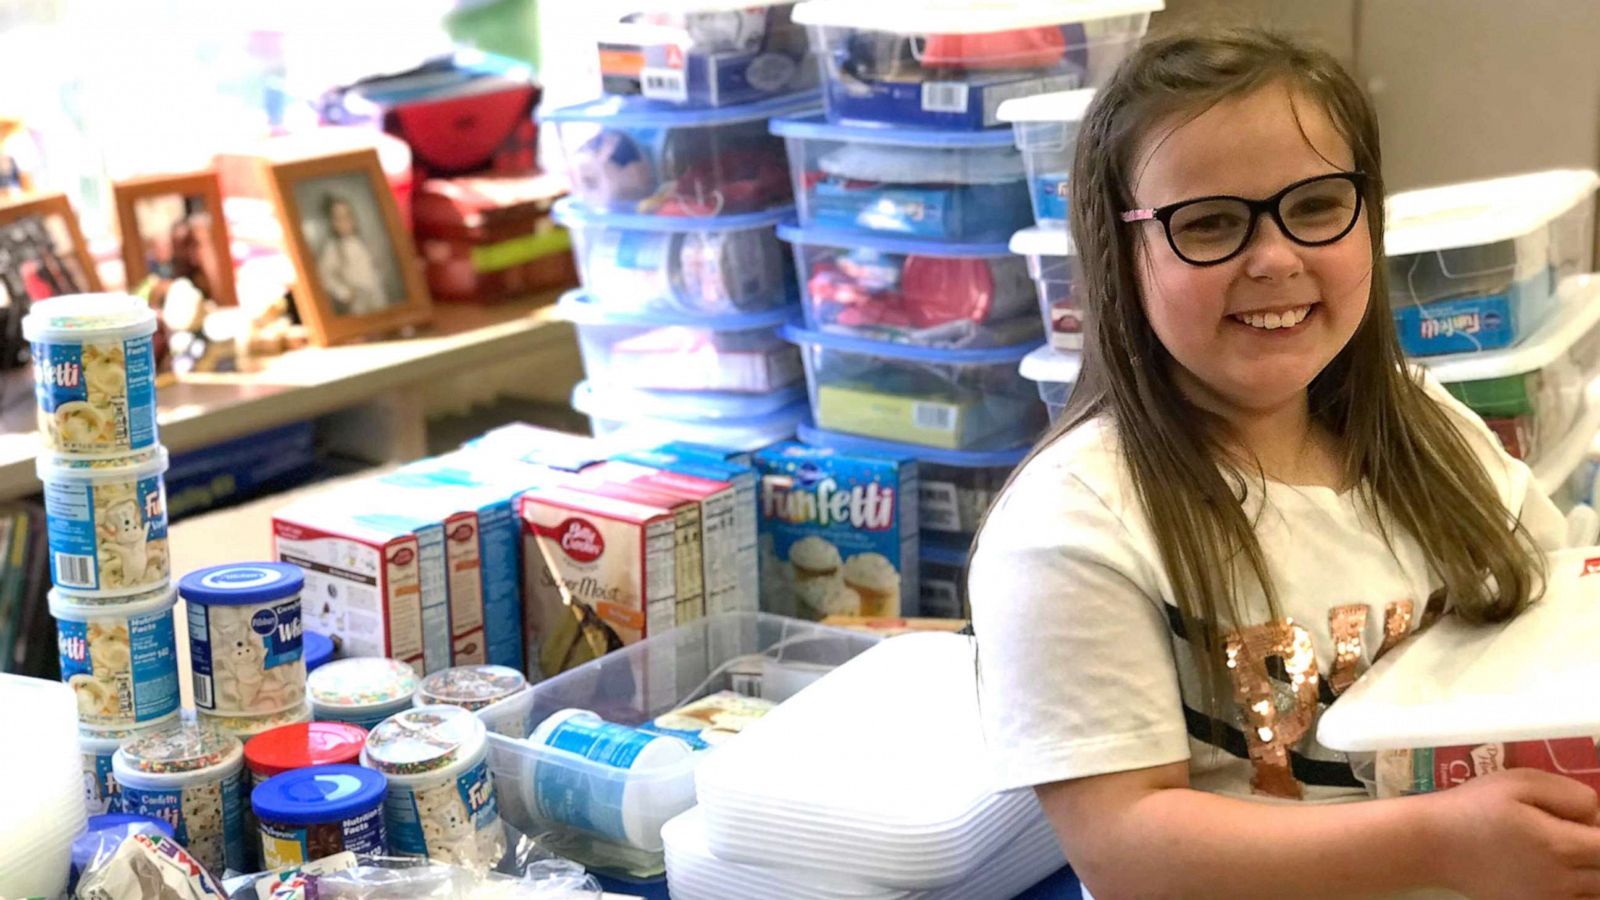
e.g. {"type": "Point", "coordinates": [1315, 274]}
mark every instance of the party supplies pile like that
{"type": "Point", "coordinates": [677, 190]}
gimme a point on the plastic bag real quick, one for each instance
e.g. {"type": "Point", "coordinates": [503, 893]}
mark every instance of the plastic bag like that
{"type": "Point", "coordinates": [148, 868]}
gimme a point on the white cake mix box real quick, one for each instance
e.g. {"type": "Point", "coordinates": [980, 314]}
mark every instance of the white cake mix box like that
{"type": "Point", "coordinates": [600, 574]}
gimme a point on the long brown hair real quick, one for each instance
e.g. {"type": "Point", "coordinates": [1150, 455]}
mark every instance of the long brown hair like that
{"type": "Point", "coordinates": [1413, 468]}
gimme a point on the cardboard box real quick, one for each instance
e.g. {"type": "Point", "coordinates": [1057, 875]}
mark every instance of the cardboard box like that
{"type": "Point", "coordinates": [1403, 772]}
{"type": "Point", "coordinates": [689, 603]}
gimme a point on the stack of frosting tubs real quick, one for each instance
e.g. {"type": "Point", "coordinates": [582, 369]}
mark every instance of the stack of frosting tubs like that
{"type": "Point", "coordinates": [677, 189]}
{"type": "Point", "coordinates": [792, 811]}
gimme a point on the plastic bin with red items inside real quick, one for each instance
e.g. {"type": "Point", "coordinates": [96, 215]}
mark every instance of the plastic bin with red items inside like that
{"type": "Point", "coordinates": [484, 240]}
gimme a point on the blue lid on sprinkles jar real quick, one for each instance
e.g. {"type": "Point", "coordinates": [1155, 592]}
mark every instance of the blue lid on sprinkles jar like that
{"type": "Point", "coordinates": [318, 794]}
{"type": "Point", "coordinates": [318, 647]}
{"type": "Point", "coordinates": [242, 584]}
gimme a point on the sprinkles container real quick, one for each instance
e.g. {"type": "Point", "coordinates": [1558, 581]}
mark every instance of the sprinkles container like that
{"type": "Point", "coordinates": [119, 660]}
{"type": "Point", "coordinates": [107, 524]}
{"type": "Point", "coordinates": [245, 638]}
{"type": "Point", "coordinates": [308, 814]}
{"type": "Point", "coordinates": [188, 776]}
{"type": "Point", "coordinates": [441, 802]}
{"type": "Point", "coordinates": [94, 373]}
{"type": "Point", "coordinates": [363, 691]}
{"type": "Point", "coordinates": [490, 691]}
{"type": "Point", "coordinates": [246, 727]}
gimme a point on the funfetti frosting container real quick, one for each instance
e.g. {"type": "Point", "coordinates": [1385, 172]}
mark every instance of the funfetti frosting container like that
{"type": "Point", "coordinates": [99, 787]}
{"type": "Point", "coordinates": [245, 638]}
{"type": "Point", "coordinates": [675, 352]}
{"type": "Point", "coordinates": [921, 292]}
{"type": "Point", "coordinates": [1054, 372]}
{"type": "Point", "coordinates": [107, 523]}
{"type": "Point", "coordinates": [668, 162]}
{"type": "Point", "coordinates": [246, 727]}
{"type": "Point", "coordinates": [717, 266]}
{"type": "Point", "coordinates": [188, 776]}
{"type": "Point", "coordinates": [706, 54]}
{"type": "Point", "coordinates": [308, 814]}
{"type": "Point", "coordinates": [120, 660]}
{"type": "Point", "coordinates": [1045, 127]}
{"type": "Point", "coordinates": [1054, 268]}
{"type": "Point", "coordinates": [94, 373]}
{"type": "Point", "coordinates": [950, 64]}
{"type": "Point", "coordinates": [906, 182]}
{"type": "Point", "coordinates": [490, 691]}
{"type": "Point", "coordinates": [362, 691]}
{"type": "Point", "coordinates": [441, 799]}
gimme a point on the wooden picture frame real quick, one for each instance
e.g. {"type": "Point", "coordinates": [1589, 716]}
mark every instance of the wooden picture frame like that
{"type": "Point", "coordinates": [358, 275]}
{"type": "Point", "coordinates": [214, 277]}
{"type": "Point", "coordinates": [25, 237]}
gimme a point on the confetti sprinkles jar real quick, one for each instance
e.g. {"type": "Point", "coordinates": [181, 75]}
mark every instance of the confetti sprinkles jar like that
{"type": "Point", "coordinates": [188, 776]}
{"type": "Point", "coordinates": [490, 691]}
{"type": "Point", "coordinates": [307, 814]}
{"type": "Point", "coordinates": [363, 691]}
{"type": "Point", "coordinates": [441, 801]}
{"type": "Point", "coordinates": [119, 659]}
{"type": "Point", "coordinates": [245, 646]}
{"type": "Point", "coordinates": [94, 373]}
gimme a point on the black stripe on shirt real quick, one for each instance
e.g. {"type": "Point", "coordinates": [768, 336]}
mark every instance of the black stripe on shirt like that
{"type": "Point", "coordinates": [1225, 737]}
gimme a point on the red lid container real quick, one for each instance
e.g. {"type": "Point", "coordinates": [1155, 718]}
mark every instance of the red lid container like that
{"type": "Point", "coordinates": [291, 747]}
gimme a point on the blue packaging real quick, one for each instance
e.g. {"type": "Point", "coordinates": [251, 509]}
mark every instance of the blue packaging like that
{"type": "Point", "coordinates": [690, 450]}
{"type": "Point", "coordinates": [96, 397]}
{"type": "Point", "coordinates": [1471, 324]}
{"type": "Point", "coordinates": [107, 525]}
{"type": "Point", "coordinates": [120, 660]}
{"type": "Point", "coordinates": [707, 58]}
{"type": "Point", "coordinates": [307, 814]}
{"type": "Point", "coordinates": [318, 650]}
{"type": "Point", "coordinates": [267, 461]}
{"type": "Point", "coordinates": [838, 532]}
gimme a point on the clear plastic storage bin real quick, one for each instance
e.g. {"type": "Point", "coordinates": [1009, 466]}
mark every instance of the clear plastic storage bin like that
{"type": "Point", "coordinates": [1054, 267]}
{"type": "Point", "coordinates": [1045, 127]}
{"type": "Point", "coordinates": [706, 54]}
{"type": "Point", "coordinates": [913, 292]}
{"type": "Point", "coordinates": [743, 422]}
{"type": "Point", "coordinates": [911, 182]}
{"type": "Point", "coordinates": [1474, 266]}
{"type": "Point", "coordinates": [1055, 372]}
{"type": "Point", "coordinates": [954, 399]}
{"type": "Point", "coordinates": [944, 578]}
{"type": "Point", "coordinates": [674, 352]}
{"type": "Point", "coordinates": [754, 654]}
{"type": "Point", "coordinates": [954, 487]}
{"type": "Point", "coordinates": [667, 162]}
{"type": "Point", "coordinates": [951, 63]}
{"type": "Point", "coordinates": [718, 266]}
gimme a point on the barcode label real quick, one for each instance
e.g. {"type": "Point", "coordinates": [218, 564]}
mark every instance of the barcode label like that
{"type": "Point", "coordinates": [944, 96]}
{"type": "Point", "coordinates": [74, 571]}
{"type": "Point", "coordinates": [202, 691]}
{"type": "Point", "coordinates": [664, 84]}
{"type": "Point", "coordinates": [933, 416]}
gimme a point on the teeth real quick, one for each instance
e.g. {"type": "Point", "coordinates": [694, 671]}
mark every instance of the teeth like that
{"type": "Point", "coordinates": [1272, 321]}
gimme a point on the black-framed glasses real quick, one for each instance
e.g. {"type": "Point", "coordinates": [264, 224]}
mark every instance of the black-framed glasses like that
{"type": "Point", "coordinates": [1206, 231]}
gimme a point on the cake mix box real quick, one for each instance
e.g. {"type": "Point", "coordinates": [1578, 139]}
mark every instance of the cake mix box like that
{"type": "Point", "coordinates": [533, 445]}
{"type": "Point", "coordinates": [838, 532]}
{"type": "Point", "coordinates": [721, 542]}
{"type": "Point", "coordinates": [688, 554]}
{"type": "Point", "coordinates": [1403, 772]}
{"type": "Point", "coordinates": [374, 581]}
{"type": "Point", "coordinates": [600, 573]}
{"type": "Point", "coordinates": [688, 459]}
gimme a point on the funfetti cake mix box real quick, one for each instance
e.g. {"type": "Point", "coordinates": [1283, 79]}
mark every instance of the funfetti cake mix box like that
{"type": "Point", "coordinates": [742, 476]}
{"type": "Point", "coordinates": [838, 532]}
{"type": "Point", "coordinates": [375, 582]}
{"type": "Point", "coordinates": [600, 574]}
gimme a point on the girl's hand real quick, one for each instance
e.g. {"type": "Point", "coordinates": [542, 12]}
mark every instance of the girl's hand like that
{"type": "Point", "coordinates": [1521, 834]}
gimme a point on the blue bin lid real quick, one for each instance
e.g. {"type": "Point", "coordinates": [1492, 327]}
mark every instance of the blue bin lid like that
{"type": "Point", "coordinates": [963, 459]}
{"type": "Point", "coordinates": [943, 550]}
{"type": "Point", "coordinates": [318, 794]}
{"type": "Point", "coordinates": [830, 237]}
{"type": "Point", "coordinates": [628, 112]}
{"type": "Point", "coordinates": [569, 211]}
{"type": "Point", "coordinates": [710, 407]}
{"type": "Point", "coordinates": [318, 649]}
{"type": "Point", "coordinates": [818, 127]}
{"type": "Point", "coordinates": [120, 820]}
{"type": "Point", "coordinates": [242, 584]}
{"type": "Point", "coordinates": [909, 352]}
{"type": "Point", "coordinates": [579, 308]}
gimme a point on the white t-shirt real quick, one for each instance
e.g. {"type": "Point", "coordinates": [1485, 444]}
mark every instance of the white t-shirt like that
{"type": "Point", "coordinates": [1082, 667]}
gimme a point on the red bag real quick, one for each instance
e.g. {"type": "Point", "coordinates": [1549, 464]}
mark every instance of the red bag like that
{"type": "Point", "coordinates": [488, 133]}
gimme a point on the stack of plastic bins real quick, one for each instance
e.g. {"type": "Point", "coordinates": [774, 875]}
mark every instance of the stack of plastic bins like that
{"type": "Point", "coordinates": [614, 826]}
{"type": "Point", "coordinates": [1542, 396]}
{"type": "Point", "coordinates": [1045, 127]}
{"type": "Point", "coordinates": [955, 490]}
{"type": "Point", "coordinates": [1474, 266]}
{"type": "Point", "coordinates": [1054, 267]}
{"type": "Point", "coordinates": [673, 214]}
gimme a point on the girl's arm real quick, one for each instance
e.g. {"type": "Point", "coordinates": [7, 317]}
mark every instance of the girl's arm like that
{"type": "Point", "coordinates": [1145, 834]}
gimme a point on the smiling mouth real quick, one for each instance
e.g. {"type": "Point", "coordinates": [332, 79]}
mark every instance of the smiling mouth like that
{"type": "Point", "coordinates": [1276, 320]}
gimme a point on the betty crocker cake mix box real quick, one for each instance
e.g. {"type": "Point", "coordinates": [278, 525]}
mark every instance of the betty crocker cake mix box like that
{"type": "Point", "coordinates": [838, 532]}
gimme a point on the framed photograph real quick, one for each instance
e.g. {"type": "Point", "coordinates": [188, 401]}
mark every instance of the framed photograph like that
{"type": "Point", "coordinates": [42, 251]}
{"type": "Point", "coordinates": [357, 273]}
{"type": "Point", "coordinates": [173, 229]}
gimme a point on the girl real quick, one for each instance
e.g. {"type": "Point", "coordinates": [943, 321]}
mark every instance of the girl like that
{"type": "Point", "coordinates": [1249, 499]}
{"type": "Point", "coordinates": [349, 270]}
